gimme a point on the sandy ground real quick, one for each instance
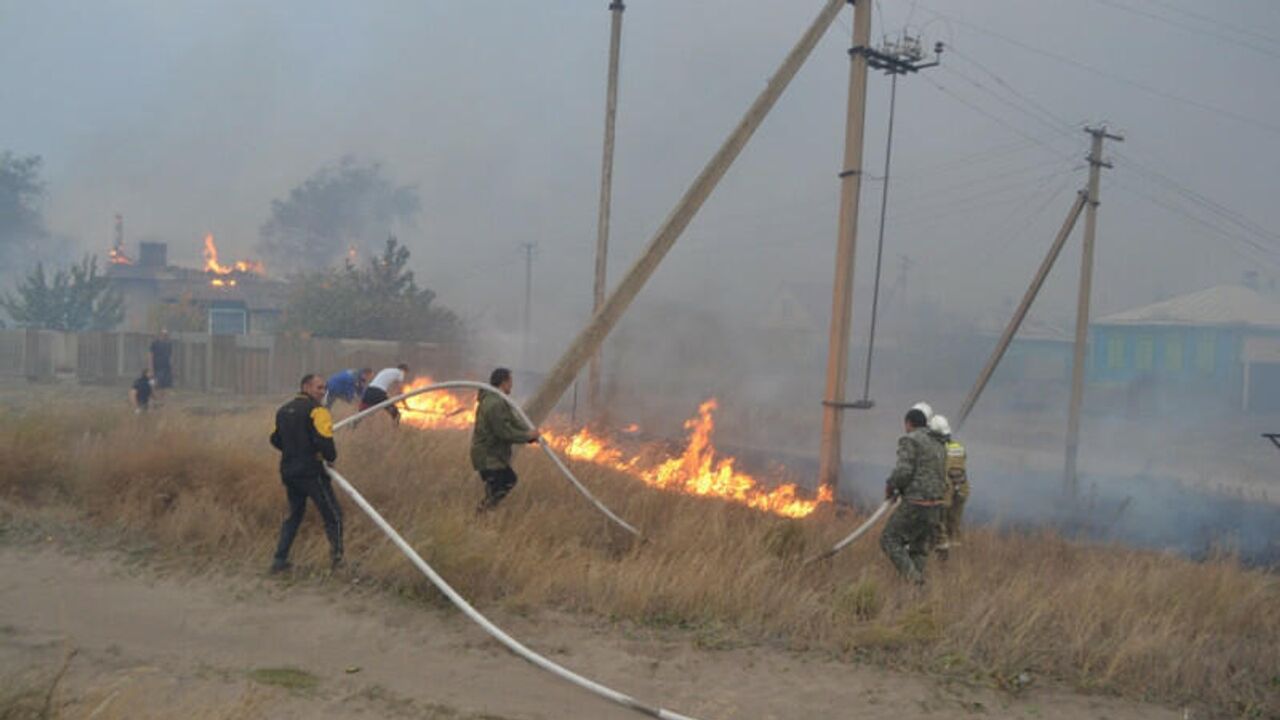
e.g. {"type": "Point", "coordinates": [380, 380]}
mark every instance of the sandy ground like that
{"type": "Point", "coordinates": [149, 644]}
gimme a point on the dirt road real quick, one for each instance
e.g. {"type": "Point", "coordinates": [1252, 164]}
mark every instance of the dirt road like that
{"type": "Point", "coordinates": [148, 645]}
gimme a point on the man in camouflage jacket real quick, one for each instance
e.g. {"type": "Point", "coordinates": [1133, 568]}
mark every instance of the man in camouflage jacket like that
{"type": "Point", "coordinates": [918, 480]}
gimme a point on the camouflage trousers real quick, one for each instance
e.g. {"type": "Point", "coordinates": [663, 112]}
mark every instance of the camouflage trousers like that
{"type": "Point", "coordinates": [908, 538]}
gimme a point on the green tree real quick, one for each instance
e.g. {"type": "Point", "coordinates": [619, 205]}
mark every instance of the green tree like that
{"type": "Point", "coordinates": [339, 206]}
{"type": "Point", "coordinates": [76, 298]}
{"type": "Point", "coordinates": [379, 301]}
{"type": "Point", "coordinates": [21, 192]}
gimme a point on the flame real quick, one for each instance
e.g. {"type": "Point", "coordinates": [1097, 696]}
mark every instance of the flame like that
{"type": "Point", "coordinates": [116, 256]}
{"type": "Point", "coordinates": [212, 265]}
{"type": "Point", "coordinates": [698, 470]}
{"type": "Point", "coordinates": [437, 410]}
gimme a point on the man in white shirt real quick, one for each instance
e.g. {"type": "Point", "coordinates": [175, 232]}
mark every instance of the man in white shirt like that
{"type": "Point", "coordinates": [387, 383]}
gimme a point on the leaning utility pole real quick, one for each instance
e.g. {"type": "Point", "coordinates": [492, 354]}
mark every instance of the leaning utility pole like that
{"type": "Point", "coordinates": [1096, 163]}
{"type": "Point", "coordinates": [1020, 313]}
{"type": "Point", "coordinates": [593, 334]}
{"type": "Point", "coordinates": [527, 324]}
{"type": "Point", "coordinates": [833, 404]}
{"type": "Point", "coordinates": [606, 193]}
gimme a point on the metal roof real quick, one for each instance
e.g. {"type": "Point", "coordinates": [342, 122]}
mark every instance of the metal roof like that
{"type": "Point", "coordinates": [1224, 305]}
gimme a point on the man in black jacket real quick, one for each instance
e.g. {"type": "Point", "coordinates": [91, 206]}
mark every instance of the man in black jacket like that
{"type": "Point", "coordinates": [304, 437]}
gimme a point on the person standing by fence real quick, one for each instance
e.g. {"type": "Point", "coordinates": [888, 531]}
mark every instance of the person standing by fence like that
{"type": "Point", "coordinates": [304, 437]}
{"type": "Point", "coordinates": [161, 352]}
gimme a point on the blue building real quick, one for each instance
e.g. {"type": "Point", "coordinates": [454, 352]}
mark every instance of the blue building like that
{"type": "Point", "coordinates": [1220, 345]}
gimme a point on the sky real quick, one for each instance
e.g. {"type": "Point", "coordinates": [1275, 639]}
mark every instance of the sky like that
{"type": "Point", "coordinates": [191, 117]}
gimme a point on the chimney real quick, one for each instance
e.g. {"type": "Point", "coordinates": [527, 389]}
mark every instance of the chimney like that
{"type": "Point", "coordinates": [153, 254]}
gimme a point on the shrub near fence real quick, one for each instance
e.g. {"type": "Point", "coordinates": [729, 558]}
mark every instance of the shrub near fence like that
{"type": "Point", "coordinates": [243, 364]}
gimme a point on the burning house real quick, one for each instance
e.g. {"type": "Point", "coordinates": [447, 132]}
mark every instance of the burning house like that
{"type": "Point", "coordinates": [221, 299]}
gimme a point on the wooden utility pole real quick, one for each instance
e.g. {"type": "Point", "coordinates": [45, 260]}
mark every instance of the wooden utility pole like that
{"type": "Point", "coordinates": [1096, 163]}
{"type": "Point", "coordinates": [606, 192]}
{"type": "Point", "coordinates": [1021, 313]}
{"type": "Point", "coordinates": [833, 404]}
{"type": "Point", "coordinates": [593, 334]}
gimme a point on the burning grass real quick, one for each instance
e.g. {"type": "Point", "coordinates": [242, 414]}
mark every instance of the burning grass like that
{"type": "Point", "coordinates": [1005, 608]}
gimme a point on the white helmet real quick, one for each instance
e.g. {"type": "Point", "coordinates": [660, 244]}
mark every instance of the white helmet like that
{"type": "Point", "coordinates": [939, 425]}
{"type": "Point", "coordinates": [925, 408]}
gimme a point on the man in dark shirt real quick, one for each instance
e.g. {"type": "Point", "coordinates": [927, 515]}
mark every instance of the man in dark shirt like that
{"type": "Point", "coordinates": [161, 360]}
{"type": "Point", "coordinates": [140, 392]}
{"type": "Point", "coordinates": [497, 428]}
{"type": "Point", "coordinates": [304, 437]}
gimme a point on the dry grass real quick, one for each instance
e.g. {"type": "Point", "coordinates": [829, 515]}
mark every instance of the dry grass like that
{"type": "Point", "coordinates": [1140, 624]}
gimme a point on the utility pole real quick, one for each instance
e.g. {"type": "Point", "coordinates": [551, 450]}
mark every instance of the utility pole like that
{"type": "Point", "coordinates": [894, 58]}
{"type": "Point", "coordinates": [1096, 163]}
{"type": "Point", "coordinates": [833, 404]}
{"type": "Point", "coordinates": [594, 332]}
{"type": "Point", "coordinates": [527, 324]}
{"type": "Point", "coordinates": [1020, 313]}
{"type": "Point", "coordinates": [606, 192]}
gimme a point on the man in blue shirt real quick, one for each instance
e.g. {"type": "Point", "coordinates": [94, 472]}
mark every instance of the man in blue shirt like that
{"type": "Point", "coordinates": [347, 385]}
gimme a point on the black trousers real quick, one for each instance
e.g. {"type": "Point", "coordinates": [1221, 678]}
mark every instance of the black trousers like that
{"type": "Point", "coordinates": [319, 489]}
{"type": "Point", "coordinates": [497, 483]}
{"type": "Point", "coordinates": [372, 396]}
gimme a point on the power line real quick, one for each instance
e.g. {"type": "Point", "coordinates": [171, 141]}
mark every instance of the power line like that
{"type": "Point", "coordinates": [1018, 229]}
{"type": "Point", "coordinates": [1052, 125]}
{"type": "Point", "coordinates": [1159, 92]}
{"type": "Point", "coordinates": [1189, 28]}
{"type": "Point", "coordinates": [1062, 125]}
{"type": "Point", "coordinates": [1210, 20]}
{"type": "Point", "coordinates": [970, 203]}
{"type": "Point", "coordinates": [1222, 211]}
{"type": "Point", "coordinates": [994, 118]}
{"type": "Point", "coordinates": [1257, 251]}
{"type": "Point", "coordinates": [971, 184]}
{"type": "Point", "coordinates": [977, 157]}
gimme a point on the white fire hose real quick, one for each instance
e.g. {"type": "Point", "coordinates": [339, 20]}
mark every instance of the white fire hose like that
{"type": "Point", "coordinates": [456, 384]}
{"type": "Point", "coordinates": [870, 522]}
{"type": "Point", "coordinates": [496, 632]}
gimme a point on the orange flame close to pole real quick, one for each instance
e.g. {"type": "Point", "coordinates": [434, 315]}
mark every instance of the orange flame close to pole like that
{"type": "Point", "coordinates": [698, 470]}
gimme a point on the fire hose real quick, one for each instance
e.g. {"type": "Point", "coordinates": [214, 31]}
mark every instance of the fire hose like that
{"type": "Point", "coordinates": [496, 632]}
{"type": "Point", "coordinates": [455, 384]}
{"type": "Point", "coordinates": [861, 530]}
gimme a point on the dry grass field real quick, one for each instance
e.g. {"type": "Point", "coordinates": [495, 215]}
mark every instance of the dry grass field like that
{"type": "Point", "coordinates": [1006, 607]}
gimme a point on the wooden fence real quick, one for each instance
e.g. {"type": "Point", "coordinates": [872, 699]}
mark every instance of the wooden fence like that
{"type": "Point", "coordinates": [243, 364]}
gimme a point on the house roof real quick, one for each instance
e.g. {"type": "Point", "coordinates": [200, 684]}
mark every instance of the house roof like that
{"type": "Point", "coordinates": [1032, 328]}
{"type": "Point", "coordinates": [1224, 305]}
